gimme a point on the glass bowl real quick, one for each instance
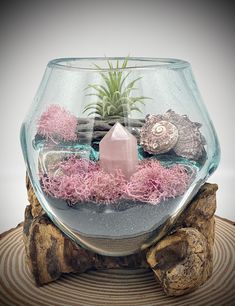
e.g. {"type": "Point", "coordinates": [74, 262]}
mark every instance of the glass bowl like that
{"type": "Point", "coordinates": [116, 148]}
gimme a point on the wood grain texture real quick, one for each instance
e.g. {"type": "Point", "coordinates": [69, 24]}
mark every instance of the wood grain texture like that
{"type": "Point", "coordinates": [113, 287]}
{"type": "Point", "coordinates": [182, 261]}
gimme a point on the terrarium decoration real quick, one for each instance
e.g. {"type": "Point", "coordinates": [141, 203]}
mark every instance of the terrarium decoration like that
{"type": "Point", "coordinates": [171, 131]}
{"type": "Point", "coordinates": [116, 149]}
{"type": "Point", "coordinates": [114, 97]}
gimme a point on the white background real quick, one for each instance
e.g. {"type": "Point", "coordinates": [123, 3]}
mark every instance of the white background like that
{"type": "Point", "coordinates": [32, 33]}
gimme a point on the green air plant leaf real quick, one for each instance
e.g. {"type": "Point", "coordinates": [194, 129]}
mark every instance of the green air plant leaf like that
{"type": "Point", "coordinates": [113, 97]}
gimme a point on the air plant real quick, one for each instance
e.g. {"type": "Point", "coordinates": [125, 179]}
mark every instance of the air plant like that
{"type": "Point", "coordinates": [114, 96]}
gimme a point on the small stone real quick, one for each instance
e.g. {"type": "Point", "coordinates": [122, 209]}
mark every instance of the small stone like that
{"type": "Point", "coordinates": [118, 150]}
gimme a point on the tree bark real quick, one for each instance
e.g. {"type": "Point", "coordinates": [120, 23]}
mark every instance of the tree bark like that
{"type": "Point", "coordinates": [181, 261]}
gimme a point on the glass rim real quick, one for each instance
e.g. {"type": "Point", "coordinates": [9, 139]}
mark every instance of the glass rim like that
{"type": "Point", "coordinates": [144, 63]}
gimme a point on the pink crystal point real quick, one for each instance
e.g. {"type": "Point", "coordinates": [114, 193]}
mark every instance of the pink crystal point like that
{"type": "Point", "coordinates": [118, 150]}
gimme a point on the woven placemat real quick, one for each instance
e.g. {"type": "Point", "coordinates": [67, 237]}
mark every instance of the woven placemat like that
{"type": "Point", "coordinates": [113, 287]}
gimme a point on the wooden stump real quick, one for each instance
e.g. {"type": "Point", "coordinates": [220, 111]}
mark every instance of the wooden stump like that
{"type": "Point", "coordinates": [181, 261]}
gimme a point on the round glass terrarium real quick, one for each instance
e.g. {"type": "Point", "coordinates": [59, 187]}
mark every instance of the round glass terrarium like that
{"type": "Point", "coordinates": [116, 148]}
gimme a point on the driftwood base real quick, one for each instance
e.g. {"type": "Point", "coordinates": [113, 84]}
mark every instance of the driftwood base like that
{"type": "Point", "coordinates": [181, 262]}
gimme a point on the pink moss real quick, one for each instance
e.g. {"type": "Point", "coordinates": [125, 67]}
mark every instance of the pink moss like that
{"type": "Point", "coordinates": [79, 180]}
{"type": "Point", "coordinates": [75, 165]}
{"type": "Point", "coordinates": [107, 188]}
{"type": "Point", "coordinates": [154, 183]}
{"type": "Point", "coordinates": [70, 188]}
{"type": "Point", "coordinates": [57, 122]}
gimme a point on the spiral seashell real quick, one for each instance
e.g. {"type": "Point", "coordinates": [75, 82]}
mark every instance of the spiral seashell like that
{"type": "Point", "coordinates": [157, 135]}
{"type": "Point", "coordinates": [171, 131]}
{"type": "Point", "coordinates": [190, 142]}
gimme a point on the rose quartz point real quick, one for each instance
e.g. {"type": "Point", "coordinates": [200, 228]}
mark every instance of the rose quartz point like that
{"type": "Point", "coordinates": [118, 151]}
